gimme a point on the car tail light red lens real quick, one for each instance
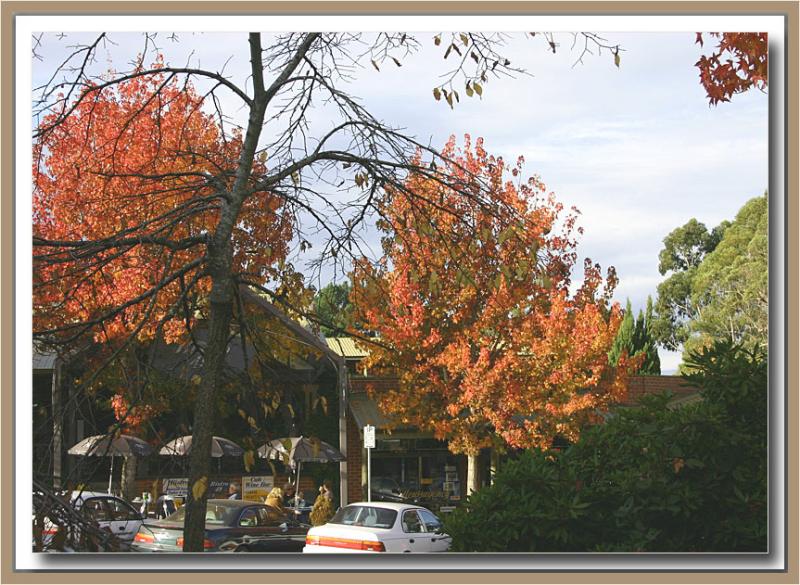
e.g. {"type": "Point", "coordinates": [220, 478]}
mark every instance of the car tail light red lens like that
{"type": "Point", "coordinates": [374, 546]}
{"type": "Point", "coordinates": [145, 538]}
{"type": "Point", "coordinates": [370, 545]}
{"type": "Point", "coordinates": [206, 543]}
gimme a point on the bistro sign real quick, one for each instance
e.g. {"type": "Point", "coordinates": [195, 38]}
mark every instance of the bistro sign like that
{"type": "Point", "coordinates": [179, 487]}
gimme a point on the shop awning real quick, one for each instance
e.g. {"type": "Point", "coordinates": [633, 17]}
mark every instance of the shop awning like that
{"type": "Point", "coordinates": [365, 411]}
{"type": "Point", "coordinates": [43, 360]}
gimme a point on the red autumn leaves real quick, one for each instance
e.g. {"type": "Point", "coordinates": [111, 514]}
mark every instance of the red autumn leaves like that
{"type": "Point", "coordinates": [739, 62]}
{"type": "Point", "coordinates": [123, 186]}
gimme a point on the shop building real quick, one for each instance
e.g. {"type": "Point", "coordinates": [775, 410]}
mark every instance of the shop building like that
{"type": "Point", "coordinates": [415, 462]}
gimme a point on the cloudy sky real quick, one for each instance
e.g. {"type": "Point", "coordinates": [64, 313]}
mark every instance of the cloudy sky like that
{"type": "Point", "coordinates": [636, 148]}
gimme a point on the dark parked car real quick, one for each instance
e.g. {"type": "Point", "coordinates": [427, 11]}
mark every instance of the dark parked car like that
{"type": "Point", "coordinates": [231, 526]}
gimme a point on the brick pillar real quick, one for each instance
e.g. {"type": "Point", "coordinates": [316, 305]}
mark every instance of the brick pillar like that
{"type": "Point", "coordinates": [355, 455]}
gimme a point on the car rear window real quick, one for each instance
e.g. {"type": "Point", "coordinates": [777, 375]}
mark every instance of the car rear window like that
{"type": "Point", "coordinates": [215, 514]}
{"type": "Point", "coordinates": [367, 516]}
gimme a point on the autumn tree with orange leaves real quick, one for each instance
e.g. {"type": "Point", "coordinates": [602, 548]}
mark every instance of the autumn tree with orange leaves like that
{"type": "Point", "coordinates": [138, 171]}
{"type": "Point", "coordinates": [163, 191]}
{"type": "Point", "coordinates": [126, 195]}
{"type": "Point", "coordinates": [476, 313]}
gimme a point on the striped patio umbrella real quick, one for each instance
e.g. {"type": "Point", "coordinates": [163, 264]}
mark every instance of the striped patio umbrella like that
{"type": "Point", "coordinates": [220, 447]}
{"type": "Point", "coordinates": [111, 446]}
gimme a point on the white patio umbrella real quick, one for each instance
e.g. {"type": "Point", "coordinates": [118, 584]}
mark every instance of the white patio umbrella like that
{"type": "Point", "coordinates": [220, 447]}
{"type": "Point", "coordinates": [111, 446]}
{"type": "Point", "coordinates": [298, 450]}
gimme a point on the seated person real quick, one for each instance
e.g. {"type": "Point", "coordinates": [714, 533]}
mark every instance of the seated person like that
{"type": "Point", "coordinates": [275, 498]}
{"type": "Point", "coordinates": [288, 495]}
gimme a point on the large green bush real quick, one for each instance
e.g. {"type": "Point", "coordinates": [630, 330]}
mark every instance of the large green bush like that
{"type": "Point", "coordinates": [652, 478]}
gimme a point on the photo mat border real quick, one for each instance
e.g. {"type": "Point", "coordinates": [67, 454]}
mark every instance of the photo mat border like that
{"type": "Point", "coordinates": [789, 9]}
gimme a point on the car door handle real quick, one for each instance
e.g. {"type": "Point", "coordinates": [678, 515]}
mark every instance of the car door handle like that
{"type": "Point", "coordinates": [433, 539]}
{"type": "Point", "coordinates": [411, 540]}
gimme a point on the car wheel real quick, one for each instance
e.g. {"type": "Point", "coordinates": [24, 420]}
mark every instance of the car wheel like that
{"type": "Point", "coordinates": [243, 548]}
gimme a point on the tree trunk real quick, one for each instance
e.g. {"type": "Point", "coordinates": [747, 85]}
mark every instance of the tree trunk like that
{"type": "Point", "coordinates": [200, 458]}
{"type": "Point", "coordinates": [473, 481]}
{"type": "Point", "coordinates": [128, 477]}
{"type": "Point", "coordinates": [218, 267]}
{"type": "Point", "coordinates": [495, 465]}
{"type": "Point", "coordinates": [58, 425]}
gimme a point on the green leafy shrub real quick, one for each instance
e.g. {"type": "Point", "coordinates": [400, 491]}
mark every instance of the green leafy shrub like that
{"type": "Point", "coordinates": [652, 478]}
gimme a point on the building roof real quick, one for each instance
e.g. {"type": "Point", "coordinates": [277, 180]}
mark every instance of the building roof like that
{"type": "Point", "coordinates": [43, 360]}
{"type": "Point", "coordinates": [346, 347]}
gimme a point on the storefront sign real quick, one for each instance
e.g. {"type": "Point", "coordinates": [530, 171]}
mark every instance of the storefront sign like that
{"type": "Point", "coordinates": [257, 487]}
{"type": "Point", "coordinates": [218, 488]}
{"type": "Point", "coordinates": [179, 487]}
{"type": "Point", "coordinates": [175, 486]}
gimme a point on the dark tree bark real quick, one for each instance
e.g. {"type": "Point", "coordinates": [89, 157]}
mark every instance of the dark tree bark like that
{"type": "Point", "coordinates": [220, 254]}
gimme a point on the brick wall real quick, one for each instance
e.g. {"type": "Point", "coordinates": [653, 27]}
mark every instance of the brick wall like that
{"type": "Point", "coordinates": [639, 386]}
{"type": "Point", "coordinates": [355, 453]}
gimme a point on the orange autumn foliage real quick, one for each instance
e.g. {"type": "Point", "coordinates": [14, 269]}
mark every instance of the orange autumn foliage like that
{"type": "Point", "coordinates": [475, 315]}
{"type": "Point", "coordinates": [740, 61]}
{"type": "Point", "coordinates": [126, 191]}
{"type": "Point", "coordinates": [131, 418]}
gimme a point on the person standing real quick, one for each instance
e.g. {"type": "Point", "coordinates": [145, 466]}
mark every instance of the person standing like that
{"type": "Point", "coordinates": [322, 511]}
{"type": "Point", "coordinates": [288, 495]}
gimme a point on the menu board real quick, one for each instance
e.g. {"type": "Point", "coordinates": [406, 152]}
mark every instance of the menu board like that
{"type": "Point", "coordinates": [257, 487]}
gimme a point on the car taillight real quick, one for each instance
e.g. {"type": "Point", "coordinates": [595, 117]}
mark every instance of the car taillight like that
{"type": "Point", "coordinates": [206, 543]}
{"type": "Point", "coordinates": [370, 545]}
{"type": "Point", "coordinates": [374, 546]}
{"type": "Point", "coordinates": [145, 538]}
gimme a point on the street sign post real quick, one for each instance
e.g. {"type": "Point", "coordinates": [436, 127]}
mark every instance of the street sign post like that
{"type": "Point", "coordinates": [369, 445]}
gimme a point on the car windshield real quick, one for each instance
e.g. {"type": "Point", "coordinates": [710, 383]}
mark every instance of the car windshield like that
{"type": "Point", "coordinates": [368, 516]}
{"type": "Point", "coordinates": [216, 513]}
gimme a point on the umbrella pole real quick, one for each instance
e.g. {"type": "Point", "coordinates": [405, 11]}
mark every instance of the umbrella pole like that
{"type": "Point", "coordinates": [297, 486]}
{"type": "Point", "coordinates": [110, 474]}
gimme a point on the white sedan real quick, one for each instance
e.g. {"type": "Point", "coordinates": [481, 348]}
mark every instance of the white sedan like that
{"type": "Point", "coordinates": [109, 512]}
{"type": "Point", "coordinates": [379, 527]}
